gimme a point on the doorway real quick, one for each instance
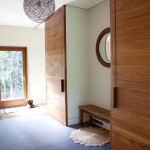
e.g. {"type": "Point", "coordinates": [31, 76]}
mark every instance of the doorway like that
{"type": "Point", "coordinates": [13, 77]}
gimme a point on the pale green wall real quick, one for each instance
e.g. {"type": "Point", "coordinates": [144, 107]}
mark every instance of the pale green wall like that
{"type": "Point", "coordinates": [88, 81]}
{"type": "Point", "coordinates": [99, 76]}
{"type": "Point", "coordinates": [77, 61]}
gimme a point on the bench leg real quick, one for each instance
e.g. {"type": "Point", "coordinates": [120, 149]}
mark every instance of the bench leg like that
{"type": "Point", "coordinates": [81, 117]}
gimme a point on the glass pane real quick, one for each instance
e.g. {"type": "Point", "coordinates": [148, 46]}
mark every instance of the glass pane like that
{"type": "Point", "coordinates": [11, 75]}
{"type": "Point", "coordinates": [108, 48]}
{"type": "Point", "coordinates": [102, 48]}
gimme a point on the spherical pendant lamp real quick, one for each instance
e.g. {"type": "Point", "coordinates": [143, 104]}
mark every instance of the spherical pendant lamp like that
{"type": "Point", "coordinates": [39, 10]}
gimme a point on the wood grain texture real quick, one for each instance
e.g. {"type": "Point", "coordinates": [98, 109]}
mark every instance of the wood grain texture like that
{"type": "Point", "coordinates": [95, 111]}
{"type": "Point", "coordinates": [55, 36]}
{"type": "Point", "coordinates": [130, 33]}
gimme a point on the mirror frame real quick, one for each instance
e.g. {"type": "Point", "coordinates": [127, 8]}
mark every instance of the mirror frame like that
{"type": "Point", "coordinates": [105, 31]}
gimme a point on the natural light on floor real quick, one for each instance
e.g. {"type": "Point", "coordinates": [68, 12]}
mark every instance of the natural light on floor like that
{"type": "Point", "coordinates": [23, 111]}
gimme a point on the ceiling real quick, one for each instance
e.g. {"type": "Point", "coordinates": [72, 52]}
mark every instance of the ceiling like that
{"type": "Point", "coordinates": [86, 4]}
{"type": "Point", "coordinates": [12, 13]}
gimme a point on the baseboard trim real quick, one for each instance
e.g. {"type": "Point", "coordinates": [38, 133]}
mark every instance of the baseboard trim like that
{"type": "Point", "coordinates": [76, 120]}
{"type": "Point", "coordinates": [39, 102]}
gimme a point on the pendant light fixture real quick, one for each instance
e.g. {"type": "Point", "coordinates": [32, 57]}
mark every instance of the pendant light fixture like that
{"type": "Point", "coordinates": [39, 10]}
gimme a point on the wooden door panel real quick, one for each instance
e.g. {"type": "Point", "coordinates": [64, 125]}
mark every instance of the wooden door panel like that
{"type": "Point", "coordinates": [55, 99]}
{"type": "Point", "coordinates": [122, 143]}
{"type": "Point", "coordinates": [132, 37]}
{"type": "Point", "coordinates": [126, 129]}
{"type": "Point", "coordinates": [132, 61]}
{"type": "Point", "coordinates": [130, 32]}
{"type": "Point", "coordinates": [133, 73]}
{"type": "Point", "coordinates": [131, 118]}
{"type": "Point", "coordinates": [54, 31]}
{"type": "Point", "coordinates": [56, 66]}
{"type": "Point", "coordinates": [53, 36]}
{"type": "Point", "coordinates": [132, 126]}
{"type": "Point", "coordinates": [131, 11]}
{"type": "Point", "coordinates": [125, 143]}
{"type": "Point", "coordinates": [132, 85]}
{"type": "Point", "coordinates": [52, 48]}
{"type": "Point", "coordinates": [132, 141]}
{"type": "Point", "coordinates": [55, 21]}
{"type": "Point", "coordinates": [132, 101]}
{"type": "Point", "coordinates": [53, 85]}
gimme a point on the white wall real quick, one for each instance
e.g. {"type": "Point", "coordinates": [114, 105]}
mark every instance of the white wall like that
{"type": "Point", "coordinates": [77, 61]}
{"type": "Point", "coordinates": [99, 76]}
{"type": "Point", "coordinates": [34, 40]}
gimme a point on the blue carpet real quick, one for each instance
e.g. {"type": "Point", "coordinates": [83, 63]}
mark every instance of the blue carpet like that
{"type": "Point", "coordinates": [40, 132]}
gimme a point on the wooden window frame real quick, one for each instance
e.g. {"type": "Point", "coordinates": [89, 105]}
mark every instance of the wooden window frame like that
{"type": "Point", "coordinates": [18, 102]}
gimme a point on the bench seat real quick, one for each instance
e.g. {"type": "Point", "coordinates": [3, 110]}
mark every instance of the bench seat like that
{"type": "Point", "coordinates": [94, 111]}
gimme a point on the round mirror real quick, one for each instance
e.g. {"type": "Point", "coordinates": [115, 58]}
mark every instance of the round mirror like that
{"type": "Point", "coordinates": [103, 48]}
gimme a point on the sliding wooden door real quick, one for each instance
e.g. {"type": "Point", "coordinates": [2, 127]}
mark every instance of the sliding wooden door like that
{"type": "Point", "coordinates": [13, 83]}
{"type": "Point", "coordinates": [130, 113]}
{"type": "Point", "coordinates": [56, 66]}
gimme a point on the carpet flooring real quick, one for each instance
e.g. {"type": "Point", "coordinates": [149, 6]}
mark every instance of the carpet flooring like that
{"type": "Point", "coordinates": [38, 132]}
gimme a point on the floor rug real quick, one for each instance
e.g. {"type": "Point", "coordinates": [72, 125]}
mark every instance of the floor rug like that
{"type": "Point", "coordinates": [90, 136]}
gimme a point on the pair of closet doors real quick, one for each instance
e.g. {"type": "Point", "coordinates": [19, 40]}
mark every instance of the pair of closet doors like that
{"type": "Point", "coordinates": [130, 101]}
{"type": "Point", "coordinates": [130, 110]}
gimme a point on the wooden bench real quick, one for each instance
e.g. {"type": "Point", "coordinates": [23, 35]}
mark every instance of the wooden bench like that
{"type": "Point", "coordinates": [94, 111]}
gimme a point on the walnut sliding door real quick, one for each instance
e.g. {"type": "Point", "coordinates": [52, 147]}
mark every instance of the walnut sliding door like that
{"type": "Point", "coordinates": [56, 66]}
{"type": "Point", "coordinates": [130, 113]}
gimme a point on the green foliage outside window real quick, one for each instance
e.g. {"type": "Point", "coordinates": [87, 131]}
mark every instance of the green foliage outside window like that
{"type": "Point", "coordinates": [11, 75]}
